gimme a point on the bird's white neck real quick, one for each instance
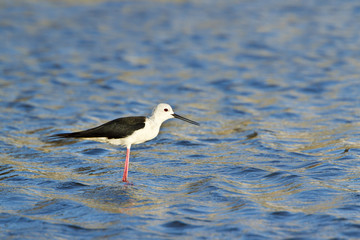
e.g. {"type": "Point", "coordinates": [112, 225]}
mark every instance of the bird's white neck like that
{"type": "Point", "coordinates": [156, 120]}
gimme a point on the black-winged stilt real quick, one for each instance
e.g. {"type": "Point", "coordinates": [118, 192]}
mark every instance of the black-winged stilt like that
{"type": "Point", "coordinates": [129, 130]}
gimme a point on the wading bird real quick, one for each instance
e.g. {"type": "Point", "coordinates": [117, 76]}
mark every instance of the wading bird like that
{"type": "Point", "coordinates": [129, 130]}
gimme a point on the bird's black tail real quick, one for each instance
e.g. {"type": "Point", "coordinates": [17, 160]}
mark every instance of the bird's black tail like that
{"type": "Point", "coordinates": [67, 135]}
{"type": "Point", "coordinates": [58, 138]}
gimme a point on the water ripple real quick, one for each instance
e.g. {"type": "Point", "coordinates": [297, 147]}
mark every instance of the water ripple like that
{"type": "Point", "coordinates": [274, 85]}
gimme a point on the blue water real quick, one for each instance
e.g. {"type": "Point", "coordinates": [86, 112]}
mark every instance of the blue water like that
{"type": "Point", "coordinates": [274, 84]}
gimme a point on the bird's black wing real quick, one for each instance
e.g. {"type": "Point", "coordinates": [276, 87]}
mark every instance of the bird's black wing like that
{"type": "Point", "coordinates": [117, 128]}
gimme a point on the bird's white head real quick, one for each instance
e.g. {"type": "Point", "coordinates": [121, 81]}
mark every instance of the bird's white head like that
{"type": "Point", "coordinates": [163, 112]}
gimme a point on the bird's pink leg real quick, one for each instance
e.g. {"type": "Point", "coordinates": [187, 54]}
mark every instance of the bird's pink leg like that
{"type": "Point", "coordinates": [126, 167]}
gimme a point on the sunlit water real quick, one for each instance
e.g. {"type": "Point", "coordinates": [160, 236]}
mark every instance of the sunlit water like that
{"type": "Point", "coordinates": [274, 84]}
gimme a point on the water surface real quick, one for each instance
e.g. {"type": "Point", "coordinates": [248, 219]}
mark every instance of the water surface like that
{"type": "Point", "coordinates": [274, 84]}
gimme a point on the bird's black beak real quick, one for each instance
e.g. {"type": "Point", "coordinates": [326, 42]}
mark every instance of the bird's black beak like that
{"type": "Point", "coordinates": [185, 119]}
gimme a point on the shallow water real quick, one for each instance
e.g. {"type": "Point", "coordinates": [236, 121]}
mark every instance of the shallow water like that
{"type": "Point", "coordinates": [274, 84]}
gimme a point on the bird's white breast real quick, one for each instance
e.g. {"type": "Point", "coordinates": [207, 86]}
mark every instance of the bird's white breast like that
{"type": "Point", "coordinates": [150, 131]}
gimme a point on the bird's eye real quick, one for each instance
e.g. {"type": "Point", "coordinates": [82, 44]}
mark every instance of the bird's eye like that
{"type": "Point", "coordinates": [165, 109]}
